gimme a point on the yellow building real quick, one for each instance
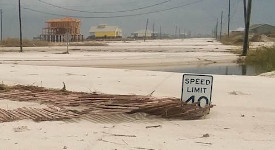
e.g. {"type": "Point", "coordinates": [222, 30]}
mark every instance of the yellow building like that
{"type": "Point", "coordinates": [105, 31]}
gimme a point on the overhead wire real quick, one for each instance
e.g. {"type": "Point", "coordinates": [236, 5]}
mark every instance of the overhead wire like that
{"type": "Point", "coordinates": [235, 11]}
{"type": "Point", "coordinates": [79, 5]}
{"type": "Point", "coordinates": [102, 12]}
{"type": "Point", "coordinates": [115, 16]}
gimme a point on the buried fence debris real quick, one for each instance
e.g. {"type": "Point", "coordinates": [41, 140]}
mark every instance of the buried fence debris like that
{"type": "Point", "coordinates": [62, 105]}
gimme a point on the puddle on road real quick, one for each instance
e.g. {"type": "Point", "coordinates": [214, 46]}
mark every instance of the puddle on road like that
{"type": "Point", "coordinates": [226, 69]}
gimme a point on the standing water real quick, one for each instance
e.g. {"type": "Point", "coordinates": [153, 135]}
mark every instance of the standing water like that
{"type": "Point", "coordinates": [227, 69]}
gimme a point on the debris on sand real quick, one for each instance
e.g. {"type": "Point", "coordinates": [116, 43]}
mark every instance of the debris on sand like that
{"type": "Point", "coordinates": [64, 105]}
{"type": "Point", "coordinates": [21, 129]}
{"type": "Point", "coordinates": [206, 135]}
{"type": "Point", "coordinates": [2, 87]}
{"type": "Point", "coordinates": [237, 93]}
{"type": "Point", "coordinates": [157, 126]}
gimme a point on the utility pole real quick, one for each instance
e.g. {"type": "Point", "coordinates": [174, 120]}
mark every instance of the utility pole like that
{"type": "Point", "coordinates": [216, 31]}
{"type": "Point", "coordinates": [20, 26]}
{"type": "Point", "coordinates": [247, 24]}
{"type": "Point", "coordinates": [245, 11]}
{"type": "Point", "coordinates": [146, 29]}
{"type": "Point", "coordinates": [179, 32]}
{"type": "Point", "coordinates": [176, 31]}
{"type": "Point", "coordinates": [229, 13]}
{"type": "Point", "coordinates": [153, 30]}
{"type": "Point", "coordinates": [1, 15]}
{"type": "Point", "coordinates": [184, 33]}
{"type": "Point", "coordinates": [67, 37]}
{"type": "Point", "coordinates": [221, 26]}
{"type": "Point", "coordinates": [160, 31]}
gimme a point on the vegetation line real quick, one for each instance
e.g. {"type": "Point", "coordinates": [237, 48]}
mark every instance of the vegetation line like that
{"type": "Point", "coordinates": [262, 58]}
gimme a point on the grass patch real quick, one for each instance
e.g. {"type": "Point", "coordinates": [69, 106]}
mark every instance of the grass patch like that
{"type": "Point", "coordinates": [263, 58]}
{"type": "Point", "coordinates": [14, 42]}
{"type": "Point", "coordinates": [90, 43]}
{"type": "Point", "coordinates": [233, 39]}
{"type": "Point", "coordinates": [237, 51]}
{"type": "Point", "coordinates": [238, 38]}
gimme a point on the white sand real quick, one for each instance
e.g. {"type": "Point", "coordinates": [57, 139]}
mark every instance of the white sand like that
{"type": "Point", "coordinates": [269, 74]}
{"type": "Point", "coordinates": [225, 125]}
{"type": "Point", "coordinates": [125, 54]}
{"type": "Point", "coordinates": [243, 118]}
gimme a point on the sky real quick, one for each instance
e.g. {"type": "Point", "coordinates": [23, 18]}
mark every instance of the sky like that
{"type": "Point", "coordinates": [197, 18]}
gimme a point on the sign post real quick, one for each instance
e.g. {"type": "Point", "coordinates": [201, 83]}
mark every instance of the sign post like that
{"type": "Point", "coordinates": [67, 37]}
{"type": "Point", "coordinates": [197, 88]}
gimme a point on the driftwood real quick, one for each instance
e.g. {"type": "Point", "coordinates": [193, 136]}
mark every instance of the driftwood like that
{"type": "Point", "coordinates": [64, 104]}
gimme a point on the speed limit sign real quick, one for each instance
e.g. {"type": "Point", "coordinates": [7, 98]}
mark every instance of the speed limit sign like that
{"type": "Point", "coordinates": [197, 88]}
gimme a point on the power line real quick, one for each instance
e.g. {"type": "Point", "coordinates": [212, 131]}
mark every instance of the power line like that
{"type": "Point", "coordinates": [106, 4]}
{"type": "Point", "coordinates": [94, 12]}
{"type": "Point", "coordinates": [234, 9]}
{"type": "Point", "coordinates": [115, 16]}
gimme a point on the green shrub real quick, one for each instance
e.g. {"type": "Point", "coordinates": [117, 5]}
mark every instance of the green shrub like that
{"type": "Point", "coordinates": [263, 57]}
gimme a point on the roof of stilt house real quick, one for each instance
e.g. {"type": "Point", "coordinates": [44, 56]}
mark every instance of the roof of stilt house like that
{"type": "Point", "coordinates": [66, 19]}
{"type": "Point", "coordinates": [104, 28]}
